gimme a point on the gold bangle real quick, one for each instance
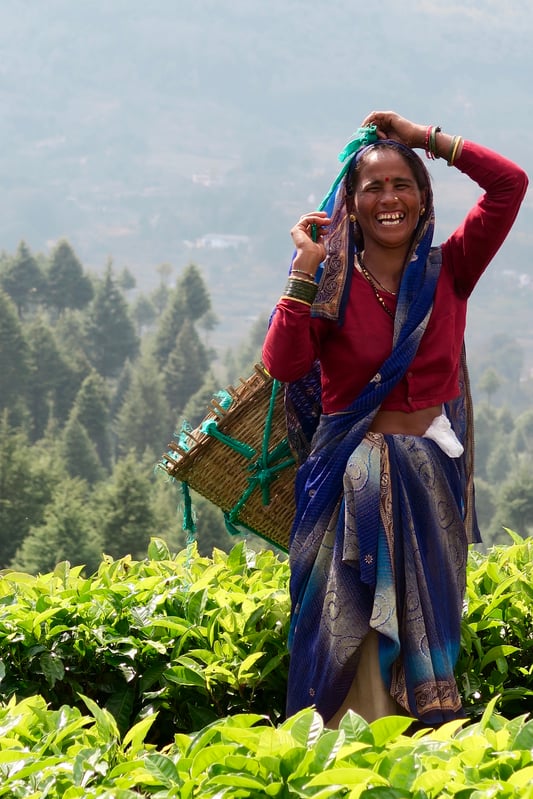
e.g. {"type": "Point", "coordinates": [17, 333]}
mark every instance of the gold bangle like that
{"type": "Point", "coordinates": [456, 141]}
{"type": "Point", "coordinates": [295, 299]}
{"type": "Point", "coordinates": [301, 272]}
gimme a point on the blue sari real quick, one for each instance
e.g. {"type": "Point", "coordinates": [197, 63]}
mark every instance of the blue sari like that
{"type": "Point", "coordinates": [379, 539]}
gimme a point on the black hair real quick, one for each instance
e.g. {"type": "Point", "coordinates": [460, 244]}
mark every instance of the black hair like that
{"type": "Point", "coordinates": [413, 160]}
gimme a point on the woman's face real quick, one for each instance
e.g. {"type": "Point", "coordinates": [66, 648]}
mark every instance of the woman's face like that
{"type": "Point", "coordinates": [388, 202]}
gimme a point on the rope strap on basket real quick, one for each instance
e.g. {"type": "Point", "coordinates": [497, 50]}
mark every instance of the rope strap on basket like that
{"type": "Point", "coordinates": [263, 467]}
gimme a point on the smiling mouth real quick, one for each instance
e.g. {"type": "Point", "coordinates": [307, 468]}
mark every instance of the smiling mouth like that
{"type": "Point", "coordinates": [391, 218]}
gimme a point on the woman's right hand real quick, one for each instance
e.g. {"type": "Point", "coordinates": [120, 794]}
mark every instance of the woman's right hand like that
{"type": "Point", "coordinates": [310, 253]}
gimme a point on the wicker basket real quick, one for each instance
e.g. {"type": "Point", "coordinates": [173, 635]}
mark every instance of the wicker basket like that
{"type": "Point", "coordinates": [252, 499]}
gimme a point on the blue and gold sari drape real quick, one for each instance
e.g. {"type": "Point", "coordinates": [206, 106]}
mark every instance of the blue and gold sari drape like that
{"type": "Point", "coordinates": [379, 541]}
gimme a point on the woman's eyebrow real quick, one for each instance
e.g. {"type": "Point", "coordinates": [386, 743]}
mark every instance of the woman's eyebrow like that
{"type": "Point", "coordinates": [387, 179]}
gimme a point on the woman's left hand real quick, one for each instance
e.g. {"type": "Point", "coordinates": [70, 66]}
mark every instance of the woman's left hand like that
{"type": "Point", "coordinates": [391, 125]}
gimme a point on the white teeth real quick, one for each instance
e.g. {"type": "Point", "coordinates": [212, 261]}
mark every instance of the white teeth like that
{"type": "Point", "coordinates": [390, 219]}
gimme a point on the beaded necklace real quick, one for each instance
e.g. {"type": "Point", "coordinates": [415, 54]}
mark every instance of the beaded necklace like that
{"type": "Point", "coordinates": [374, 282]}
{"type": "Point", "coordinates": [374, 278]}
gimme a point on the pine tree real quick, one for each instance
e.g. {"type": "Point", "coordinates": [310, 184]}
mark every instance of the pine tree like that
{"type": "Point", "coordinates": [144, 420]}
{"type": "Point", "coordinates": [51, 381]}
{"type": "Point", "coordinates": [92, 409]}
{"type": "Point", "coordinates": [144, 313]}
{"type": "Point", "coordinates": [196, 297]}
{"type": "Point", "coordinates": [66, 284]}
{"type": "Point", "coordinates": [189, 300]}
{"type": "Point", "coordinates": [14, 357]}
{"type": "Point", "coordinates": [171, 323]}
{"type": "Point", "coordinates": [28, 478]}
{"type": "Point", "coordinates": [199, 404]}
{"type": "Point", "coordinates": [241, 363]}
{"type": "Point", "coordinates": [67, 533]}
{"type": "Point", "coordinates": [22, 279]}
{"type": "Point", "coordinates": [127, 521]}
{"type": "Point", "coordinates": [121, 389]}
{"type": "Point", "coordinates": [126, 280]}
{"type": "Point", "coordinates": [109, 330]}
{"type": "Point", "coordinates": [515, 503]}
{"type": "Point", "coordinates": [186, 368]}
{"type": "Point", "coordinates": [79, 454]}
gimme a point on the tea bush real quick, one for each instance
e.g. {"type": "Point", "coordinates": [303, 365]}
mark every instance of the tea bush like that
{"type": "Point", "coordinates": [166, 677]}
{"type": "Point", "coordinates": [190, 638]}
{"type": "Point", "coordinates": [65, 753]}
{"type": "Point", "coordinates": [496, 656]}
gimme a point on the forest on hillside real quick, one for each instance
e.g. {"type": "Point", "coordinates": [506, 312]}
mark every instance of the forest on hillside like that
{"type": "Point", "coordinates": [95, 378]}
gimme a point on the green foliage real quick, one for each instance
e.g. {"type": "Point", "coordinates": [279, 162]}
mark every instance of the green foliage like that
{"type": "Point", "coordinates": [52, 383]}
{"type": "Point", "coordinates": [92, 409]}
{"type": "Point", "coordinates": [193, 289]}
{"type": "Point", "coordinates": [497, 638]}
{"type": "Point", "coordinates": [165, 677]}
{"type": "Point", "coordinates": [200, 402]}
{"type": "Point", "coordinates": [27, 486]}
{"type": "Point", "coordinates": [489, 383]}
{"type": "Point", "coordinates": [190, 638]}
{"type": "Point", "coordinates": [515, 501]}
{"type": "Point", "coordinates": [14, 356]}
{"type": "Point", "coordinates": [22, 279]}
{"type": "Point", "coordinates": [242, 362]}
{"type": "Point", "coordinates": [109, 330]}
{"type": "Point", "coordinates": [188, 301]}
{"type": "Point", "coordinates": [81, 753]}
{"type": "Point", "coordinates": [66, 285]}
{"type": "Point", "coordinates": [185, 369]}
{"type": "Point", "coordinates": [67, 533]}
{"type": "Point", "coordinates": [126, 517]}
{"type": "Point", "coordinates": [78, 453]}
{"type": "Point", "coordinates": [144, 420]}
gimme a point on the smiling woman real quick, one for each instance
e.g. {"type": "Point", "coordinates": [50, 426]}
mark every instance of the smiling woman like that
{"type": "Point", "coordinates": [370, 330]}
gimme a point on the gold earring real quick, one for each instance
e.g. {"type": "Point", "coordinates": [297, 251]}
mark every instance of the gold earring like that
{"type": "Point", "coordinates": [353, 218]}
{"type": "Point", "coordinates": [423, 210]}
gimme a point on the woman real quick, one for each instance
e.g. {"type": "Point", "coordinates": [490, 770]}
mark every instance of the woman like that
{"type": "Point", "coordinates": [368, 337]}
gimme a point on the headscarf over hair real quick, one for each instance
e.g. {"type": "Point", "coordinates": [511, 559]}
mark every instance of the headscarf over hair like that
{"type": "Point", "coordinates": [336, 272]}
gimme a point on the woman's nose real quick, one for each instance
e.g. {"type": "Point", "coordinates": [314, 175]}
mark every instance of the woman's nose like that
{"type": "Point", "coordinates": [389, 195]}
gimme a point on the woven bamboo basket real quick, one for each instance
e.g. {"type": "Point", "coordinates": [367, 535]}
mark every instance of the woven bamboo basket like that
{"type": "Point", "coordinates": [252, 498]}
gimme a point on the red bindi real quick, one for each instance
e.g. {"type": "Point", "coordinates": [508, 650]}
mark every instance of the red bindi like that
{"type": "Point", "coordinates": [387, 180]}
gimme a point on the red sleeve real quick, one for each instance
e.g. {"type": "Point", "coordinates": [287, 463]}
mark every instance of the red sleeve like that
{"type": "Point", "coordinates": [476, 241]}
{"type": "Point", "coordinates": [291, 344]}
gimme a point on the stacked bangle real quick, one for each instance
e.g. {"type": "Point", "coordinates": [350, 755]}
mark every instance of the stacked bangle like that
{"type": "Point", "coordinates": [430, 142]}
{"type": "Point", "coordinates": [301, 272]}
{"type": "Point", "coordinates": [456, 141]}
{"type": "Point", "coordinates": [301, 289]}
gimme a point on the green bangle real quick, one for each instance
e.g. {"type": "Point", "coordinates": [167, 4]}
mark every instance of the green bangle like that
{"type": "Point", "coordinates": [433, 140]}
{"type": "Point", "coordinates": [299, 289]}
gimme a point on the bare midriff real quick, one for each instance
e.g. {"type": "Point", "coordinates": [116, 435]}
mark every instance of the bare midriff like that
{"type": "Point", "coordinates": [408, 424]}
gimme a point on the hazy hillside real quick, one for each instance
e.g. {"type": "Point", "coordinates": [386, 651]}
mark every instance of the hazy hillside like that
{"type": "Point", "coordinates": [137, 129]}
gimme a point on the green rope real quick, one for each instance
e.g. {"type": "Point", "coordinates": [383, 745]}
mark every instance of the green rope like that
{"type": "Point", "coordinates": [265, 468]}
{"type": "Point", "coordinates": [362, 137]}
{"type": "Point", "coordinates": [210, 428]}
{"type": "Point", "coordinates": [188, 519]}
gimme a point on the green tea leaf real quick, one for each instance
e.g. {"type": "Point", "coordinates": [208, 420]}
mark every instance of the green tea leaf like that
{"type": "Point", "coordinates": [497, 652]}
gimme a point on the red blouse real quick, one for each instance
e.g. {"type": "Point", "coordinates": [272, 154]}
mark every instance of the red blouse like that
{"type": "Point", "coordinates": [350, 354]}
